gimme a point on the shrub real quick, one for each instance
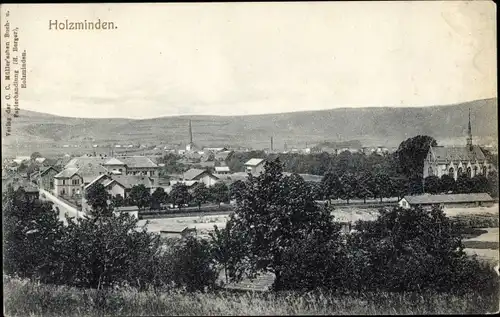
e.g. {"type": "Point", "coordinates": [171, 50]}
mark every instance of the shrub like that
{"type": "Point", "coordinates": [192, 264]}
{"type": "Point", "coordinates": [414, 250]}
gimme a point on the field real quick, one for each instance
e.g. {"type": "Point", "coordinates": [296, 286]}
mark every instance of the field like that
{"type": "Point", "coordinates": [25, 298]}
{"type": "Point", "coordinates": [203, 224]}
{"type": "Point", "coordinates": [484, 246]}
{"type": "Point", "coordinates": [206, 223]}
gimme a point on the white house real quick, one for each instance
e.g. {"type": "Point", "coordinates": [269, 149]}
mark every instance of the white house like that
{"type": "Point", "coordinates": [201, 176]}
{"type": "Point", "coordinates": [255, 166]}
{"type": "Point", "coordinates": [222, 170]}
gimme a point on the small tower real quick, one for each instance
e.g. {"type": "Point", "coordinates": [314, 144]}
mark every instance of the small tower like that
{"type": "Point", "coordinates": [469, 135]}
{"type": "Point", "coordinates": [272, 144]}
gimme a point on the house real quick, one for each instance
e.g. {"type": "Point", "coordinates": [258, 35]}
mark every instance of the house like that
{"type": "Point", "coordinates": [40, 160]}
{"type": "Point", "coordinates": [466, 160]}
{"type": "Point", "coordinates": [222, 170]}
{"type": "Point", "coordinates": [21, 159]}
{"type": "Point", "coordinates": [118, 185]}
{"type": "Point", "coordinates": [254, 166]}
{"type": "Point", "coordinates": [448, 201]}
{"type": "Point", "coordinates": [222, 156]}
{"type": "Point", "coordinates": [46, 179]}
{"type": "Point", "coordinates": [86, 160]}
{"type": "Point", "coordinates": [30, 189]}
{"type": "Point", "coordinates": [201, 176]}
{"type": "Point", "coordinates": [178, 232]}
{"type": "Point", "coordinates": [69, 181]}
{"type": "Point", "coordinates": [129, 165]}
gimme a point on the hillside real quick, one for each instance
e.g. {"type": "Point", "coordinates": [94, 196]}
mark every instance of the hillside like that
{"type": "Point", "coordinates": [371, 126]}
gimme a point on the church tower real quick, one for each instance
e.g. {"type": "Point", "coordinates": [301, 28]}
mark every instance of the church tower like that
{"type": "Point", "coordinates": [191, 131]}
{"type": "Point", "coordinates": [190, 146]}
{"type": "Point", "coordinates": [469, 135]}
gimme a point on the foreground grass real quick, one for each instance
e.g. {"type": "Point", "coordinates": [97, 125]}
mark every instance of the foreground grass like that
{"type": "Point", "coordinates": [26, 298]}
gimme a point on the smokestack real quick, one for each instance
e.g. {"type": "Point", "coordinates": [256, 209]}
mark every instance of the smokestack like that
{"type": "Point", "coordinates": [271, 143]}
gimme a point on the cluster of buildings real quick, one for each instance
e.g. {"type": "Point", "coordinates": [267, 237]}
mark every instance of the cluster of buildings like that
{"type": "Point", "coordinates": [467, 160]}
{"type": "Point", "coordinates": [117, 174]}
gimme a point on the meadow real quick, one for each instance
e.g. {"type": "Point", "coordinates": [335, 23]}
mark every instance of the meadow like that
{"type": "Point", "coordinates": [26, 298]}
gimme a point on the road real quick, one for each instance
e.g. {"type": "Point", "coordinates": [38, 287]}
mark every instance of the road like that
{"type": "Point", "coordinates": [64, 208]}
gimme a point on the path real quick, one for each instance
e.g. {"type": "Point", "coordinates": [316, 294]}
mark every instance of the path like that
{"type": "Point", "coordinates": [492, 255]}
{"type": "Point", "coordinates": [64, 208]}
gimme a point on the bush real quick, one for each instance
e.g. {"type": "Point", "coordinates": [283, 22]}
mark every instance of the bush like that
{"type": "Point", "coordinates": [192, 264]}
{"type": "Point", "coordinates": [414, 250]}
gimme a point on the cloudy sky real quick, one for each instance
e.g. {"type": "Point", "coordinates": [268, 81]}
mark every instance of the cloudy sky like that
{"type": "Point", "coordinates": [251, 58]}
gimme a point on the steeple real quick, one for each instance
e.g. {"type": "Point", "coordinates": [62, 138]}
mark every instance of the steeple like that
{"type": "Point", "coordinates": [190, 133]}
{"type": "Point", "coordinates": [469, 135]}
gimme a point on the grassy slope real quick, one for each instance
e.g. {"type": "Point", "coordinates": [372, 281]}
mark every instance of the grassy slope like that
{"type": "Point", "coordinates": [24, 298]}
{"type": "Point", "coordinates": [372, 126]}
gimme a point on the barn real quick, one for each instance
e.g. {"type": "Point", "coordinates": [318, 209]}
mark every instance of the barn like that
{"type": "Point", "coordinates": [447, 201]}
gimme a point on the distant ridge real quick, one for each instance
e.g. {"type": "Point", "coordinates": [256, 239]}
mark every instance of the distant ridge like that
{"type": "Point", "coordinates": [386, 126]}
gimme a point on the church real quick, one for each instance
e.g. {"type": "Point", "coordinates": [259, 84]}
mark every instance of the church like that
{"type": "Point", "coordinates": [455, 161]}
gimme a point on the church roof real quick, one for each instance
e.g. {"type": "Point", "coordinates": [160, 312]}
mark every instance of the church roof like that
{"type": "Point", "coordinates": [463, 153]}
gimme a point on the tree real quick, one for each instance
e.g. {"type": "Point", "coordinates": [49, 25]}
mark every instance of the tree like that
{"type": "Point", "coordinates": [415, 185]}
{"type": "Point", "coordinates": [97, 197]}
{"type": "Point", "coordinates": [235, 190]}
{"type": "Point", "coordinates": [158, 197]}
{"type": "Point", "coordinates": [98, 253]}
{"type": "Point", "coordinates": [479, 184]}
{"type": "Point", "coordinates": [200, 194]}
{"type": "Point", "coordinates": [171, 164]}
{"type": "Point", "coordinates": [140, 196]}
{"type": "Point", "coordinates": [219, 193]}
{"type": "Point", "coordinates": [396, 246]}
{"type": "Point", "coordinates": [35, 155]}
{"type": "Point", "coordinates": [229, 250]}
{"type": "Point", "coordinates": [331, 185]}
{"type": "Point", "coordinates": [349, 183]}
{"type": "Point", "coordinates": [274, 213]}
{"type": "Point", "coordinates": [179, 195]}
{"type": "Point", "coordinates": [381, 186]}
{"type": "Point", "coordinates": [493, 183]}
{"type": "Point", "coordinates": [364, 184]}
{"type": "Point", "coordinates": [447, 183]}
{"type": "Point", "coordinates": [412, 153]}
{"type": "Point", "coordinates": [193, 264]}
{"type": "Point", "coordinates": [117, 201]}
{"type": "Point", "coordinates": [400, 186]}
{"type": "Point", "coordinates": [316, 190]}
{"type": "Point", "coordinates": [432, 185]}
{"type": "Point", "coordinates": [30, 228]}
{"type": "Point", "coordinates": [463, 184]}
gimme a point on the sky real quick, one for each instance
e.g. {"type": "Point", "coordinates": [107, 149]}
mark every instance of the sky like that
{"type": "Point", "coordinates": [255, 58]}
